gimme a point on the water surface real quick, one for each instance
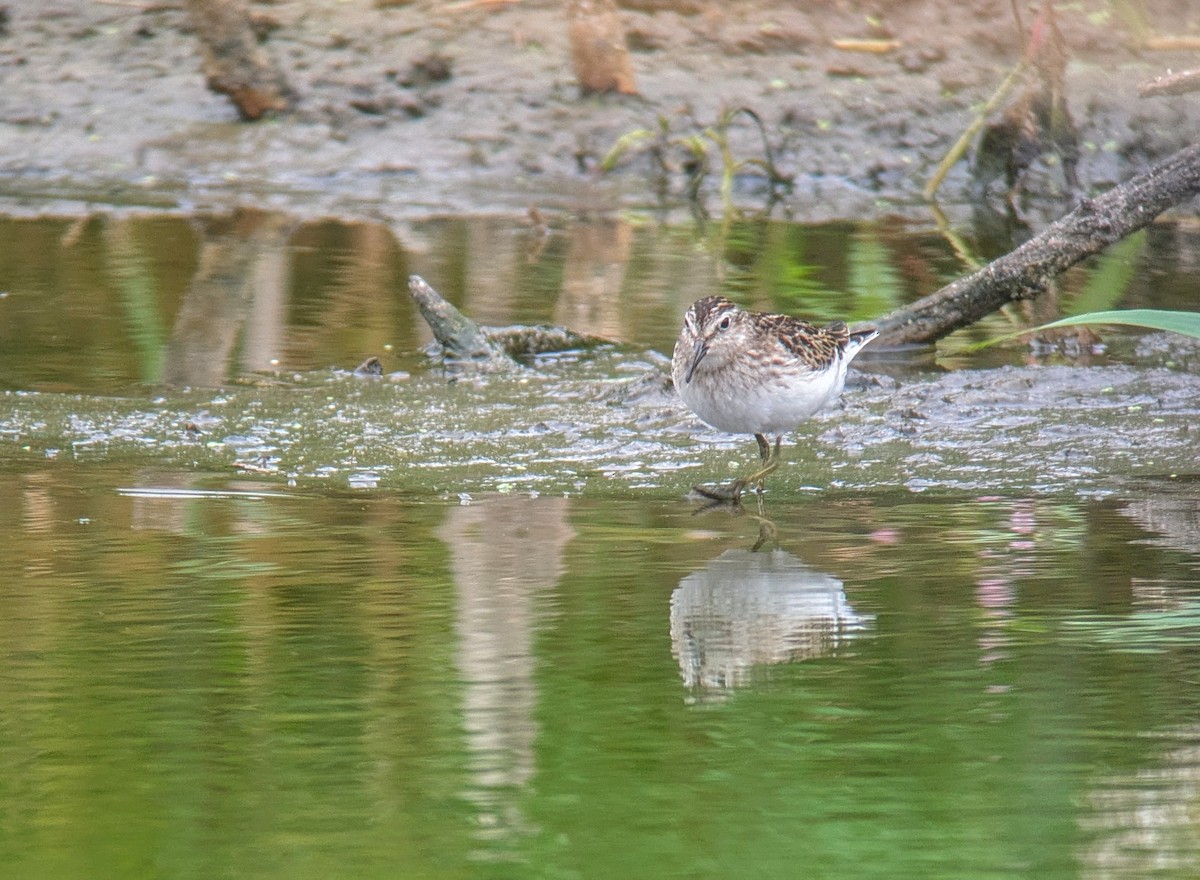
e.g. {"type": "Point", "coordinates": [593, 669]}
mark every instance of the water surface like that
{"type": "Point", "coordinates": [259, 617]}
{"type": "Point", "coordinates": [205, 678]}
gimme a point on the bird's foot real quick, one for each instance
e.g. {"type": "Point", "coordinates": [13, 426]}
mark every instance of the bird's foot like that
{"type": "Point", "coordinates": [722, 493]}
{"type": "Point", "coordinates": [731, 492]}
{"type": "Point", "coordinates": [728, 497]}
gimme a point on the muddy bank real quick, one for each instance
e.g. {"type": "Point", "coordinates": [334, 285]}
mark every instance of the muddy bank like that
{"type": "Point", "coordinates": [106, 104]}
{"type": "Point", "coordinates": [604, 430]}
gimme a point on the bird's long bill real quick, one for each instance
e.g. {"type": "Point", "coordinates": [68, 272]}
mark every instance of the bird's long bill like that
{"type": "Point", "coordinates": [698, 353]}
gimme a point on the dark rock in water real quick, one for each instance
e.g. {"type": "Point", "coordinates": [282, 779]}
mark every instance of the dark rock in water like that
{"type": "Point", "coordinates": [464, 341]}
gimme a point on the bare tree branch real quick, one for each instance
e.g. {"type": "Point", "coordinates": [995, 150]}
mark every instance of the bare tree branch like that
{"type": "Point", "coordinates": [1172, 84]}
{"type": "Point", "coordinates": [1026, 271]}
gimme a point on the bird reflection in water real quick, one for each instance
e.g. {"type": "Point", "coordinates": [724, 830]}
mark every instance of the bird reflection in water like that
{"type": "Point", "coordinates": [748, 609]}
{"type": "Point", "coordinates": [768, 533]}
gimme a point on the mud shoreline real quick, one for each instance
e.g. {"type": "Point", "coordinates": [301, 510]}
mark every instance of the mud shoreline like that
{"type": "Point", "coordinates": [105, 106]}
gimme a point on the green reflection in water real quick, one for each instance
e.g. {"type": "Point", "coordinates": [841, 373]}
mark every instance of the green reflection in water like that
{"type": "Point", "coordinates": [204, 678]}
{"type": "Point", "coordinates": [104, 304]}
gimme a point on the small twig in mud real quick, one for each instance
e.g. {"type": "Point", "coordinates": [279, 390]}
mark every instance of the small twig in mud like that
{"type": "Point", "coordinates": [468, 5]}
{"type": "Point", "coordinates": [142, 7]}
{"type": "Point", "coordinates": [1171, 84]}
{"type": "Point", "coordinates": [1171, 44]}
{"type": "Point", "coordinates": [871, 47]}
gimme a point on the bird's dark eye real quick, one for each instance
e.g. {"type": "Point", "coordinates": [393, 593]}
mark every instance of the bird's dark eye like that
{"type": "Point", "coordinates": [724, 325]}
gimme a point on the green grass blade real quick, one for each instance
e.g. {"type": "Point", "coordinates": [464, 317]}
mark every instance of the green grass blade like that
{"type": "Point", "coordinates": [1185, 323]}
{"type": "Point", "coordinates": [625, 143]}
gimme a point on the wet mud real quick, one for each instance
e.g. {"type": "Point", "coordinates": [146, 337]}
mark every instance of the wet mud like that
{"type": "Point", "coordinates": [415, 108]}
{"type": "Point", "coordinates": [606, 424]}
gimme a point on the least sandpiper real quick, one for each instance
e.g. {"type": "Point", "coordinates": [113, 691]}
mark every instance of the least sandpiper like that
{"type": "Point", "coordinates": [755, 373]}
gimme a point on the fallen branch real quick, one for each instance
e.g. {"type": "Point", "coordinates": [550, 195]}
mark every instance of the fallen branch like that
{"type": "Point", "coordinates": [1171, 84]}
{"type": "Point", "coordinates": [463, 342]}
{"type": "Point", "coordinates": [461, 338]}
{"type": "Point", "coordinates": [1092, 226]}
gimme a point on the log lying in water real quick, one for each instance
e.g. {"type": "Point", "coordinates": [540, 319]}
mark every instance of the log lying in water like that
{"type": "Point", "coordinates": [460, 337]}
{"type": "Point", "coordinates": [464, 341]}
{"type": "Point", "coordinates": [1023, 273]}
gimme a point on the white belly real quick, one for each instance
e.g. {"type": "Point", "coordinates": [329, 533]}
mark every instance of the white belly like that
{"type": "Point", "coordinates": [773, 407]}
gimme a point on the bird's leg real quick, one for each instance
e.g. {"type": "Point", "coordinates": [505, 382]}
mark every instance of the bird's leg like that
{"type": "Point", "coordinates": [733, 491]}
{"type": "Point", "coordinates": [770, 462]}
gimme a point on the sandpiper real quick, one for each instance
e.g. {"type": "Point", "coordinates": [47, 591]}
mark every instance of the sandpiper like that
{"type": "Point", "coordinates": [756, 373]}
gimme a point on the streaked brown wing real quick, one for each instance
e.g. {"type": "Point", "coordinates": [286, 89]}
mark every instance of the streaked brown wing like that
{"type": "Point", "coordinates": [817, 347]}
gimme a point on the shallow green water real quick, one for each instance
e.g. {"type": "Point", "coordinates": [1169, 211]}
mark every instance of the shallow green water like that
{"type": "Point", "coordinates": [206, 679]}
{"type": "Point", "coordinates": [260, 618]}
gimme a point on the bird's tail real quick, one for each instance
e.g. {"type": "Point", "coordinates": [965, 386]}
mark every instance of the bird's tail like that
{"type": "Point", "coordinates": [859, 338]}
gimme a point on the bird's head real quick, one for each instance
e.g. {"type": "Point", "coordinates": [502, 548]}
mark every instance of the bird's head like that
{"type": "Point", "coordinates": [712, 334]}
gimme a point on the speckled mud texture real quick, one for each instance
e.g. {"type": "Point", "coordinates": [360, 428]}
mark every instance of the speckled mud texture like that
{"type": "Point", "coordinates": [427, 107]}
{"type": "Point", "coordinates": [1048, 430]}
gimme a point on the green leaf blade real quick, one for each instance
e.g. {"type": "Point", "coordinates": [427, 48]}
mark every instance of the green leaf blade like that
{"type": "Point", "coordinates": [1184, 323]}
